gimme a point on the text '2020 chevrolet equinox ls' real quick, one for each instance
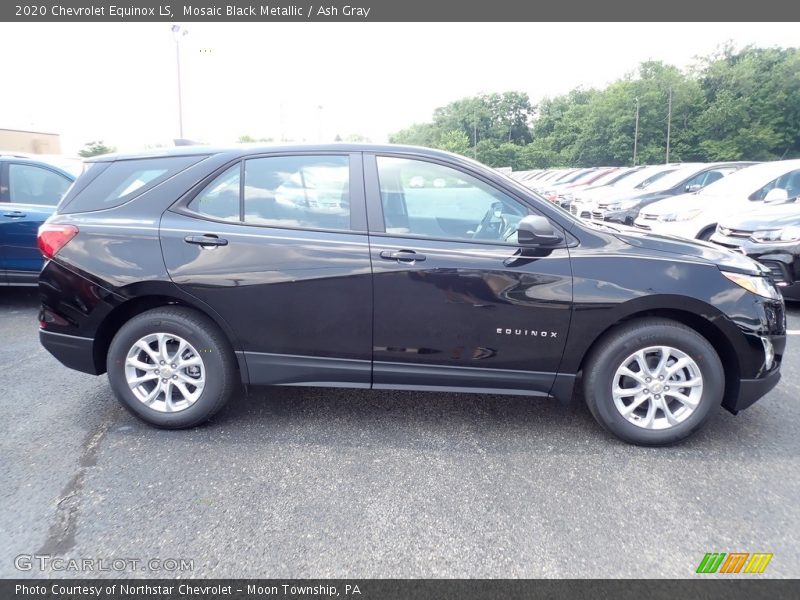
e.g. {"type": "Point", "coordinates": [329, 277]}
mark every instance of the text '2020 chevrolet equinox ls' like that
{"type": "Point", "coordinates": [185, 273]}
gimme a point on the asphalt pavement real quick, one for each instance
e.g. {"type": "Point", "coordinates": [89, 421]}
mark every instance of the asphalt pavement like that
{"type": "Point", "coordinates": [308, 482]}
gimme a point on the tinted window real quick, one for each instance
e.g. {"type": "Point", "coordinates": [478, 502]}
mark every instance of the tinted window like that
{"type": "Point", "coordinates": [28, 184]}
{"type": "Point", "coordinates": [220, 199]}
{"type": "Point", "coordinates": [788, 181]}
{"type": "Point", "coordinates": [426, 199]}
{"type": "Point", "coordinates": [311, 192]}
{"type": "Point", "coordinates": [123, 180]}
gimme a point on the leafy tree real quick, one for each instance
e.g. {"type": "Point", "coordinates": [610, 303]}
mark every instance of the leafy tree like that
{"type": "Point", "coordinates": [95, 149]}
{"type": "Point", "coordinates": [454, 141]}
{"type": "Point", "coordinates": [733, 105]}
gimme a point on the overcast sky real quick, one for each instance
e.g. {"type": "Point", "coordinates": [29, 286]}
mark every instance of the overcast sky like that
{"type": "Point", "coordinates": [117, 82]}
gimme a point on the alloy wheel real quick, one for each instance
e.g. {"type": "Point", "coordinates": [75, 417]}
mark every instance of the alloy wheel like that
{"type": "Point", "coordinates": [165, 372]}
{"type": "Point", "coordinates": [657, 387]}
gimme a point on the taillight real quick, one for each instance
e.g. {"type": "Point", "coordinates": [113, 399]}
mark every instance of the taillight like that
{"type": "Point", "coordinates": [53, 237]}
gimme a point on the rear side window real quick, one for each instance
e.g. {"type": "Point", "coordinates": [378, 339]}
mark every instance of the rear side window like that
{"type": "Point", "coordinates": [123, 180]}
{"type": "Point", "coordinates": [299, 192]}
{"type": "Point", "coordinates": [28, 184]}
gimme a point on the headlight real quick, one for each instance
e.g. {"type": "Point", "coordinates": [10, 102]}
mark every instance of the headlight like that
{"type": "Point", "coordinates": [682, 216]}
{"type": "Point", "coordinates": [760, 286]}
{"type": "Point", "coordinates": [787, 234]}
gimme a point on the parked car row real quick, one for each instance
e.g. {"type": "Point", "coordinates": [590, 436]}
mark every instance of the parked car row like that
{"type": "Point", "coordinates": [746, 206]}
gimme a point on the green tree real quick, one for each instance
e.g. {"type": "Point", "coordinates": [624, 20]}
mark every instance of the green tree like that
{"type": "Point", "coordinates": [454, 141]}
{"type": "Point", "coordinates": [753, 104]}
{"type": "Point", "coordinates": [95, 149]}
{"type": "Point", "coordinates": [734, 105]}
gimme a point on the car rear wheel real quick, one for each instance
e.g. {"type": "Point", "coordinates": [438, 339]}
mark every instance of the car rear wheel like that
{"type": "Point", "coordinates": [653, 382]}
{"type": "Point", "coordinates": [171, 367]}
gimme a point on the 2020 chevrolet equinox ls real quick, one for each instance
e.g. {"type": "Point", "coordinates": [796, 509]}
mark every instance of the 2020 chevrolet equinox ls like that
{"type": "Point", "coordinates": [185, 273]}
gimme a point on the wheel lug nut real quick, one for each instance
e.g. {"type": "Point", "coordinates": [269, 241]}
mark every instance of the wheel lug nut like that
{"type": "Point", "coordinates": [647, 380]}
{"type": "Point", "coordinates": [163, 381]}
{"type": "Point", "coordinates": [157, 371]}
{"type": "Point", "coordinates": [173, 366]}
{"type": "Point", "coordinates": [667, 388]}
{"type": "Point", "coordinates": [660, 377]}
{"type": "Point", "coordinates": [658, 397]}
{"type": "Point", "coordinates": [174, 376]}
{"type": "Point", "coordinates": [161, 362]}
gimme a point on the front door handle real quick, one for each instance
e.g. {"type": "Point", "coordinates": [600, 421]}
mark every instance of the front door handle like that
{"type": "Point", "coordinates": [15, 214]}
{"type": "Point", "coordinates": [402, 255]}
{"type": "Point", "coordinates": [208, 239]}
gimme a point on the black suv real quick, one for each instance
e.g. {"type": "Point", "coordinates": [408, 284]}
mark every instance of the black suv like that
{"type": "Point", "coordinates": [186, 273]}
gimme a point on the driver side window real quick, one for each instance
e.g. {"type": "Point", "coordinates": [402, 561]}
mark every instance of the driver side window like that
{"type": "Point", "coordinates": [425, 199]}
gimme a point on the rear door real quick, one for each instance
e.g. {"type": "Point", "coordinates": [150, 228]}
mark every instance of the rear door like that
{"type": "Point", "coordinates": [277, 245]}
{"type": "Point", "coordinates": [458, 304]}
{"type": "Point", "coordinates": [31, 195]}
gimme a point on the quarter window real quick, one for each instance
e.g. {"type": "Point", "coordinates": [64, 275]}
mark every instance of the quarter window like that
{"type": "Point", "coordinates": [220, 199]}
{"type": "Point", "coordinates": [420, 198]}
{"type": "Point", "coordinates": [35, 185]}
{"type": "Point", "coordinates": [123, 180]}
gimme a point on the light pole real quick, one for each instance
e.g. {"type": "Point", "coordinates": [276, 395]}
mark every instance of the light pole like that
{"type": "Point", "coordinates": [178, 33]}
{"type": "Point", "coordinates": [669, 123]}
{"type": "Point", "coordinates": [636, 132]}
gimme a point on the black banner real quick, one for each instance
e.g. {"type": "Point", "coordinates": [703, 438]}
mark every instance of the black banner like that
{"type": "Point", "coordinates": [399, 589]}
{"type": "Point", "coordinates": [399, 10]}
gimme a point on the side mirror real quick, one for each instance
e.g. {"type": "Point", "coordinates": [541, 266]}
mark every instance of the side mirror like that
{"type": "Point", "coordinates": [691, 189]}
{"type": "Point", "coordinates": [535, 230]}
{"type": "Point", "coordinates": [777, 195]}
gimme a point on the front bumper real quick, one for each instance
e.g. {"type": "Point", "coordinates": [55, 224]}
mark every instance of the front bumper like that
{"type": "Point", "coordinates": [751, 390]}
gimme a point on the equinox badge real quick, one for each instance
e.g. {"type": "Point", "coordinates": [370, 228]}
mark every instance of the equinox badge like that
{"type": "Point", "coordinates": [528, 332]}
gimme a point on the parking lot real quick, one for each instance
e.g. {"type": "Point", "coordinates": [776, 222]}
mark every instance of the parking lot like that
{"type": "Point", "coordinates": [307, 482]}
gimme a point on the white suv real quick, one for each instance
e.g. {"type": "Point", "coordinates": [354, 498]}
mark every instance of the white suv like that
{"type": "Point", "coordinates": [695, 215]}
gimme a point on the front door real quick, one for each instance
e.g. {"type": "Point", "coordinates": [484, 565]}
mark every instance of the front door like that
{"type": "Point", "coordinates": [277, 246]}
{"type": "Point", "coordinates": [457, 303]}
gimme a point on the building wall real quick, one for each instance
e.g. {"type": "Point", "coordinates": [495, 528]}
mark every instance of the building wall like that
{"type": "Point", "coordinates": [32, 142]}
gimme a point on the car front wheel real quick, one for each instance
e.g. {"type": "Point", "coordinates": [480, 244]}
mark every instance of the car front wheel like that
{"type": "Point", "coordinates": [171, 367]}
{"type": "Point", "coordinates": [653, 382]}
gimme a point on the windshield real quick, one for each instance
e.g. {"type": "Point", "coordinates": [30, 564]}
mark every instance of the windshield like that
{"type": "Point", "coordinates": [747, 180]}
{"type": "Point", "coordinates": [615, 176]}
{"type": "Point", "coordinates": [673, 178]}
{"type": "Point", "coordinates": [644, 176]}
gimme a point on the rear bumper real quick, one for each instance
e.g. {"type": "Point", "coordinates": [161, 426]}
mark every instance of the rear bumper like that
{"type": "Point", "coordinates": [751, 390]}
{"type": "Point", "coordinates": [70, 350]}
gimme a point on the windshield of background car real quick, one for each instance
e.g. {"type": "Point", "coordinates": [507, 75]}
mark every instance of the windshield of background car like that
{"type": "Point", "coordinates": [642, 178]}
{"type": "Point", "coordinates": [748, 180]}
{"type": "Point", "coordinates": [671, 179]}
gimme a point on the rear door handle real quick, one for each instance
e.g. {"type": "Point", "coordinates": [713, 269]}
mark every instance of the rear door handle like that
{"type": "Point", "coordinates": [15, 214]}
{"type": "Point", "coordinates": [208, 239]}
{"type": "Point", "coordinates": [402, 255]}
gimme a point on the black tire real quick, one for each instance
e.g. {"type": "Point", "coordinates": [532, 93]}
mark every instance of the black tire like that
{"type": "Point", "coordinates": [619, 344]}
{"type": "Point", "coordinates": [203, 334]}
